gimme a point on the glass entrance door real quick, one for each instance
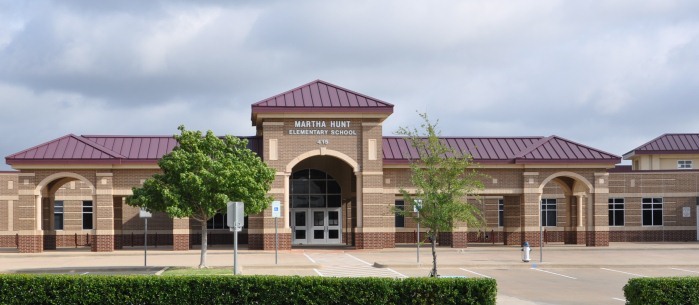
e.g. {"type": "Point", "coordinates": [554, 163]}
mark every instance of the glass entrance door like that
{"type": "Point", "coordinates": [298, 226]}
{"type": "Point", "coordinates": [326, 226]}
{"type": "Point", "coordinates": [316, 208]}
{"type": "Point", "coordinates": [317, 226]}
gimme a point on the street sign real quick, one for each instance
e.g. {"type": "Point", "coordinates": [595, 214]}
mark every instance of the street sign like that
{"type": "Point", "coordinates": [276, 209]}
{"type": "Point", "coordinates": [236, 216]}
{"type": "Point", "coordinates": [417, 206]}
{"type": "Point", "coordinates": [144, 214]}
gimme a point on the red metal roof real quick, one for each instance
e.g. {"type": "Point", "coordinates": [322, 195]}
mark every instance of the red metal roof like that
{"type": "Point", "coordinates": [319, 96]}
{"type": "Point", "coordinates": [72, 149]}
{"type": "Point", "coordinates": [669, 143]}
{"type": "Point", "coordinates": [504, 150]}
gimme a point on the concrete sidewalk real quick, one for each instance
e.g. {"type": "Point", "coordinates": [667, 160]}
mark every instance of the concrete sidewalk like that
{"type": "Point", "coordinates": [475, 256]}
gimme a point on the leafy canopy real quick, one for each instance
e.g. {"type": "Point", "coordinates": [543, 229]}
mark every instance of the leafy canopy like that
{"type": "Point", "coordinates": [444, 179]}
{"type": "Point", "coordinates": [202, 174]}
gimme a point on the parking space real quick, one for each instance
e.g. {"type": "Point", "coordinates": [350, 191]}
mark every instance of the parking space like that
{"type": "Point", "coordinates": [95, 271]}
{"type": "Point", "coordinates": [569, 275]}
{"type": "Point", "coordinates": [598, 285]}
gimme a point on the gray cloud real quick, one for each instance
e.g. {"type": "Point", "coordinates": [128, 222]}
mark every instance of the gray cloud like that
{"type": "Point", "coordinates": [610, 74]}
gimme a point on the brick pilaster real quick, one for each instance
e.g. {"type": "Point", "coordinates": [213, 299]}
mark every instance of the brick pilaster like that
{"type": "Point", "coordinates": [180, 234]}
{"type": "Point", "coordinates": [103, 209]}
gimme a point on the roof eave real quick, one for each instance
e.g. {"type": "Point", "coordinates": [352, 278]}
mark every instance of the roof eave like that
{"type": "Point", "coordinates": [611, 161]}
{"type": "Point", "coordinates": [79, 161]}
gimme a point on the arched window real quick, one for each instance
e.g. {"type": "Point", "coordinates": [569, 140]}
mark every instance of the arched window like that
{"type": "Point", "coordinates": [312, 188]}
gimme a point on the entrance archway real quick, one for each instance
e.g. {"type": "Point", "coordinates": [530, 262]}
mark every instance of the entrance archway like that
{"type": "Point", "coordinates": [316, 208]}
{"type": "Point", "coordinates": [67, 210]}
{"type": "Point", "coordinates": [564, 207]}
{"type": "Point", "coordinates": [322, 204]}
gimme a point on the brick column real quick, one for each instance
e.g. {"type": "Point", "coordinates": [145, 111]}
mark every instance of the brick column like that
{"type": "Point", "coordinates": [375, 219]}
{"type": "Point", "coordinates": [598, 221]}
{"type": "Point", "coordinates": [264, 238]}
{"type": "Point", "coordinates": [512, 229]}
{"type": "Point", "coordinates": [31, 235]}
{"type": "Point", "coordinates": [103, 205]}
{"type": "Point", "coordinates": [180, 234]}
{"type": "Point", "coordinates": [531, 209]}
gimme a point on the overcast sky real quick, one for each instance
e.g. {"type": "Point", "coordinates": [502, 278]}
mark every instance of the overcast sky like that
{"type": "Point", "coordinates": [608, 74]}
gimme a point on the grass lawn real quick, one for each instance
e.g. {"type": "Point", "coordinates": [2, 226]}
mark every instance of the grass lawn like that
{"type": "Point", "coordinates": [197, 271]}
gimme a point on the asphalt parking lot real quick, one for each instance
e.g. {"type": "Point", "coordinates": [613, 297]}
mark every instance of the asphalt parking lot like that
{"type": "Point", "coordinates": [568, 274]}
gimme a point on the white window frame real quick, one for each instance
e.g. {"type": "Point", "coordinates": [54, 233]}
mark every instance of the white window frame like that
{"type": "Point", "coordinates": [652, 201]}
{"type": "Point", "coordinates": [399, 207]}
{"type": "Point", "coordinates": [88, 210]}
{"type": "Point", "coordinates": [684, 164]}
{"type": "Point", "coordinates": [545, 208]}
{"type": "Point", "coordinates": [612, 208]}
{"type": "Point", "coordinates": [501, 212]}
{"type": "Point", "coordinates": [218, 222]}
{"type": "Point", "coordinates": [58, 209]}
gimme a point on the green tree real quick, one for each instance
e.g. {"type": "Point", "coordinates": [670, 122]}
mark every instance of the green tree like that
{"type": "Point", "coordinates": [444, 180]}
{"type": "Point", "coordinates": [201, 175]}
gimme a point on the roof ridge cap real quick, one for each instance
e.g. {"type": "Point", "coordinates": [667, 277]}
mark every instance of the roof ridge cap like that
{"type": "Point", "coordinates": [99, 147]}
{"type": "Point", "coordinates": [632, 151]}
{"type": "Point", "coordinates": [588, 147]}
{"type": "Point", "coordinates": [534, 146]}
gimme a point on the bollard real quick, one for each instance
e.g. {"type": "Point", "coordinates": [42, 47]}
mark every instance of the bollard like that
{"type": "Point", "coordinates": [76, 240]}
{"type": "Point", "coordinates": [87, 239]}
{"type": "Point", "coordinates": [156, 239]}
{"type": "Point", "coordinates": [17, 240]}
{"type": "Point", "coordinates": [492, 233]}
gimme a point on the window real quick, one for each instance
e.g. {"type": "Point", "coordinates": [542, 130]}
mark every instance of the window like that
{"type": "Point", "coordinates": [501, 212]}
{"type": "Point", "coordinates": [400, 219]}
{"type": "Point", "coordinates": [219, 221]}
{"type": "Point", "coordinates": [58, 215]}
{"type": "Point", "coordinates": [548, 212]}
{"type": "Point", "coordinates": [315, 189]}
{"type": "Point", "coordinates": [684, 164]}
{"type": "Point", "coordinates": [87, 215]}
{"type": "Point", "coordinates": [616, 212]}
{"type": "Point", "coordinates": [652, 211]}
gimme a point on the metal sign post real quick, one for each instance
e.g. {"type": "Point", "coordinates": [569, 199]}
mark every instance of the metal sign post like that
{"type": "Point", "coordinates": [416, 208]}
{"type": "Point", "coordinates": [276, 213]}
{"type": "Point", "coordinates": [145, 215]}
{"type": "Point", "coordinates": [235, 221]}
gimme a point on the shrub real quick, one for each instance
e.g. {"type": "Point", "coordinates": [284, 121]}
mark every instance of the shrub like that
{"type": "Point", "coordinates": [72, 289]}
{"type": "Point", "coordinates": [666, 291]}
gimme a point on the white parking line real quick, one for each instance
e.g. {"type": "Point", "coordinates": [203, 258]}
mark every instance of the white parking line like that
{"type": "Point", "coordinates": [685, 270]}
{"type": "Point", "coordinates": [309, 258]}
{"type": "Point", "coordinates": [366, 263]}
{"type": "Point", "coordinates": [629, 273]}
{"type": "Point", "coordinates": [476, 273]}
{"type": "Point", "coordinates": [398, 273]}
{"type": "Point", "coordinates": [554, 273]}
{"type": "Point", "coordinates": [316, 270]}
{"type": "Point", "coordinates": [618, 299]}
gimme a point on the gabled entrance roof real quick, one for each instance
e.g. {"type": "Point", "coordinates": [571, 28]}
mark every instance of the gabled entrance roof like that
{"type": "Point", "coordinates": [505, 150]}
{"type": "Point", "coordinates": [320, 97]}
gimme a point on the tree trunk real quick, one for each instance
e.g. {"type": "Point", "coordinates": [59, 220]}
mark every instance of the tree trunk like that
{"type": "Point", "coordinates": [204, 242]}
{"type": "Point", "coordinates": [433, 241]}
